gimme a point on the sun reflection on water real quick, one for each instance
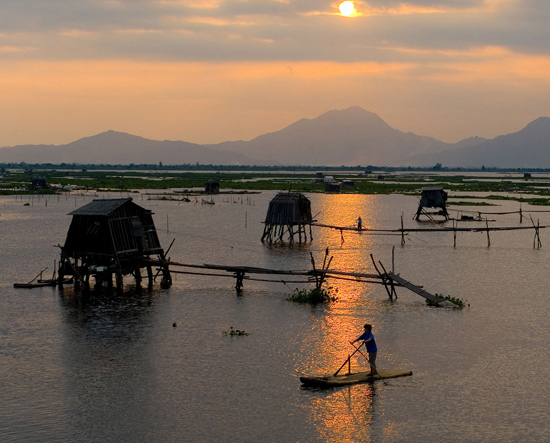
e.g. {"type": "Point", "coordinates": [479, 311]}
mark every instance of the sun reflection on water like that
{"type": "Point", "coordinates": [352, 254]}
{"type": "Point", "coordinates": [344, 414]}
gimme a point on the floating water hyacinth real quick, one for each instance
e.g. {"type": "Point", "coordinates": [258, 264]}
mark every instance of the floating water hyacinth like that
{"type": "Point", "coordinates": [234, 332]}
{"type": "Point", "coordinates": [457, 301]}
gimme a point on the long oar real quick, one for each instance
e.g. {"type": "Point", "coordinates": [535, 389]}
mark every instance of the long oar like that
{"type": "Point", "coordinates": [359, 349]}
{"type": "Point", "coordinates": [347, 360]}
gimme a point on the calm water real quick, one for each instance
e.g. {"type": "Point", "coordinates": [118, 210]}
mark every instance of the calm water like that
{"type": "Point", "coordinates": [113, 368]}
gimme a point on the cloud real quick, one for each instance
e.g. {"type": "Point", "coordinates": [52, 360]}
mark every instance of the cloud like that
{"type": "Point", "coordinates": [264, 30]}
{"type": "Point", "coordinates": [137, 65]}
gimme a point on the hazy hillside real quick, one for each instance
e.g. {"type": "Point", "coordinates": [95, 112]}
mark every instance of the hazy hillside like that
{"type": "Point", "coordinates": [528, 148]}
{"type": "Point", "coordinates": [348, 137]}
{"type": "Point", "coordinates": [113, 147]}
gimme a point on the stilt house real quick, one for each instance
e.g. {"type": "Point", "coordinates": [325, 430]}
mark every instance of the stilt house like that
{"type": "Point", "coordinates": [212, 188]}
{"type": "Point", "coordinates": [435, 198]}
{"type": "Point", "coordinates": [112, 237]}
{"type": "Point", "coordinates": [288, 212]}
{"type": "Point", "coordinates": [38, 183]}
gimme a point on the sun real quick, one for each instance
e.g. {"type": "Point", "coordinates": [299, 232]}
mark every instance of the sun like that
{"type": "Point", "coordinates": [347, 8]}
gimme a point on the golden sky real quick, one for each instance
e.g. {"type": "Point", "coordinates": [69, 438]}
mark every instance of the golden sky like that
{"type": "Point", "coordinates": [214, 70]}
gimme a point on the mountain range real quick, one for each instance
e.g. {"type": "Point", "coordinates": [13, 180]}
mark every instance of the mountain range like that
{"type": "Point", "coordinates": [348, 137]}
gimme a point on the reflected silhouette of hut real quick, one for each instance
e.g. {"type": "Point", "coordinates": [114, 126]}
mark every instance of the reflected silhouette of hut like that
{"type": "Point", "coordinates": [112, 237]}
{"type": "Point", "coordinates": [288, 213]}
{"type": "Point", "coordinates": [435, 198]}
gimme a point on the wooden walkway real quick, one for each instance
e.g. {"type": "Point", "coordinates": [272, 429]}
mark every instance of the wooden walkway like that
{"type": "Point", "coordinates": [239, 273]}
{"type": "Point", "coordinates": [400, 231]}
{"type": "Point", "coordinates": [404, 231]}
{"type": "Point", "coordinates": [418, 290]}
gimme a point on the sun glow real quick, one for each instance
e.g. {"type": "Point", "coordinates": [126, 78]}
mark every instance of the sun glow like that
{"type": "Point", "coordinates": [347, 8]}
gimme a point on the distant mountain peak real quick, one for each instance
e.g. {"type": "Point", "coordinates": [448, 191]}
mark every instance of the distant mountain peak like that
{"type": "Point", "coordinates": [350, 136]}
{"type": "Point", "coordinates": [539, 123]}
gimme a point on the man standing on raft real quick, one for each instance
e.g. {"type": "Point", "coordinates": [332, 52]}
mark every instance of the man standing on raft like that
{"type": "Point", "coordinates": [370, 344]}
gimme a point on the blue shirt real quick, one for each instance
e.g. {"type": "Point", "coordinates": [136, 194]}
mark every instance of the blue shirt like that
{"type": "Point", "coordinates": [371, 345]}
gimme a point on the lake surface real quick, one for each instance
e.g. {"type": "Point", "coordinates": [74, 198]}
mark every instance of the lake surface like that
{"type": "Point", "coordinates": [112, 368]}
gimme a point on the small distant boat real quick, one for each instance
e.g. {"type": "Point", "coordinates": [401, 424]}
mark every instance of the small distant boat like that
{"type": "Point", "coordinates": [36, 284]}
{"type": "Point", "coordinates": [41, 283]}
{"type": "Point", "coordinates": [329, 381]}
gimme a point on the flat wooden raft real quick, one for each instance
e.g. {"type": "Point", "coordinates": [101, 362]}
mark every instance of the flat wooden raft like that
{"type": "Point", "coordinates": [329, 381]}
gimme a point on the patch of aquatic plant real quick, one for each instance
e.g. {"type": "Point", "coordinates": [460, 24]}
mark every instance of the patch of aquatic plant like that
{"type": "Point", "coordinates": [313, 296]}
{"type": "Point", "coordinates": [234, 332]}
{"type": "Point", "coordinates": [538, 201]}
{"type": "Point", "coordinates": [457, 301]}
{"type": "Point", "coordinates": [463, 203]}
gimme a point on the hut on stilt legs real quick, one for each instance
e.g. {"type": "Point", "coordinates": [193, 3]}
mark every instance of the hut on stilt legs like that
{"type": "Point", "coordinates": [435, 198]}
{"type": "Point", "coordinates": [112, 237]}
{"type": "Point", "coordinates": [288, 213]}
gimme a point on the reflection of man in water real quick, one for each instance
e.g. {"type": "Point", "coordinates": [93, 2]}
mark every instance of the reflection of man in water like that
{"type": "Point", "coordinates": [359, 223]}
{"type": "Point", "coordinates": [370, 344]}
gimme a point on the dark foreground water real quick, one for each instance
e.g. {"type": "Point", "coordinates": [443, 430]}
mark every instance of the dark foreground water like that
{"type": "Point", "coordinates": [114, 368]}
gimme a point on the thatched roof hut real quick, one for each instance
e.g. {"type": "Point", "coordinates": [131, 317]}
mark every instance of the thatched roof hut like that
{"type": "Point", "coordinates": [433, 197]}
{"type": "Point", "coordinates": [113, 235]}
{"type": "Point", "coordinates": [107, 227]}
{"type": "Point", "coordinates": [286, 211]}
{"type": "Point", "coordinates": [289, 208]}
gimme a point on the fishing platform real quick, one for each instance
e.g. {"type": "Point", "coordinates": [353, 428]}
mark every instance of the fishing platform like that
{"type": "Point", "coordinates": [112, 237]}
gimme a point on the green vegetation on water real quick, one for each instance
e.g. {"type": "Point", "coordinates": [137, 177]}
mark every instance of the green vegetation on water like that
{"type": "Point", "coordinates": [457, 301]}
{"type": "Point", "coordinates": [535, 191]}
{"type": "Point", "coordinates": [234, 332]}
{"type": "Point", "coordinates": [313, 296]}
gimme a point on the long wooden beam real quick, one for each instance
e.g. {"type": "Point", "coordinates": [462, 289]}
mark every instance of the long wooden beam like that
{"type": "Point", "coordinates": [375, 278]}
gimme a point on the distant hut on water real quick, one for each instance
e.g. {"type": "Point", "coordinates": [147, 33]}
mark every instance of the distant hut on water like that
{"type": "Point", "coordinates": [112, 237]}
{"type": "Point", "coordinates": [38, 183]}
{"type": "Point", "coordinates": [332, 186]}
{"type": "Point", "coordinates": [212, 188]}
{"type": "Point", "coordinates": [348, 184]}
{"type": "Point", "coordinates": [435, 198]}
{"type": "Point", "coordinates": [288, 213]}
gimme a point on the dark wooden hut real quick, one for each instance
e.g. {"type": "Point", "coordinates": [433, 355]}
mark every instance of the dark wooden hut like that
{"type": "Point", "coordinates": [435, 198]}
{"type": "Point", "coordinates": [288, 212]}
{"type": "Point", "coordinates": [348, 184]}
{"type": "Point", "coordinates": [38, 183]}
{"type": "Point", "coordinates": [112, 237]}
{"type": "Point", "coordinates": [332, 187]}
{"type": "Point", "coordinates": [212, 188]}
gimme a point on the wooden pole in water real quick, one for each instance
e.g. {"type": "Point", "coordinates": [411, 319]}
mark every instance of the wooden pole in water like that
{"type": "Point", "coordinates": [454, 232]}
{"type": "Point", "coordinates": [520, 214]}
{"type": "Point", "coordinates": [382, 277]}
{"type": "Point", "coordinates": [392, 286]}
{"type": "Point", "coordinates": [536, 240]}
{"type": "Point", "coordinates": [402, 232]}
{"type": "Point", "coordinates": [314, 271]}
{"type": "Point", "coordinates": [488, 238]}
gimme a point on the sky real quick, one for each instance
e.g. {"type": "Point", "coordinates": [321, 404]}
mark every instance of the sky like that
{"type": "Point", "coordinates": [209, 71]}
